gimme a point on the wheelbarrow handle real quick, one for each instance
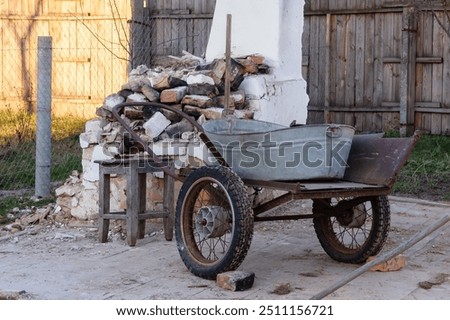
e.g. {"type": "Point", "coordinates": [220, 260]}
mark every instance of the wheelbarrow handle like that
{"type": "Point", "coordinates": [116, 110]}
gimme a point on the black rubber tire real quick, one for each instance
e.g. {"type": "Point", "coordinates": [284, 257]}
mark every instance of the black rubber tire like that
{"type": "Point", "coordinates": [213, 187]}
{"type": "Point", "coordinates": [364, 241]}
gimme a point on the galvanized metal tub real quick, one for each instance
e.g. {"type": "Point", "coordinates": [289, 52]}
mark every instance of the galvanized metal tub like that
{"type": "Point", "coordinates": [268, 151]}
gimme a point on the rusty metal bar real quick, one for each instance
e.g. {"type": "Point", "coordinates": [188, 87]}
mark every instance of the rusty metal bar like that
{"type": "Point", "coordinates": [274, 203]}
{"type": "Point", "coordinates": [166, 169]}
{"type": "Point", "coordinates": [383, 258]}
{"type": "Point", "coordinates": [285, 217]}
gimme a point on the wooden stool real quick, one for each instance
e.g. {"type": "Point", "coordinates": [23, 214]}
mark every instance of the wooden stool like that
{"type": "Point", "coordinates": [136, 170]}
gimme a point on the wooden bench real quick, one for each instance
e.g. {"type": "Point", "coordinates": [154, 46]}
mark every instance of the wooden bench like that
{"type": "Point", "coordinates": [136, 170]}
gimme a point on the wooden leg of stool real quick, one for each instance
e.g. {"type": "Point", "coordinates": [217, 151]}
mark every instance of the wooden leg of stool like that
{"type": "Point", "coordinates": [142, 203]}
{"type": "Point", "coordinates": [104, 205]}
{"type": "Point", "coordinates": [132, 203]}
{"type": "Point", "coordinates": [168, 207]}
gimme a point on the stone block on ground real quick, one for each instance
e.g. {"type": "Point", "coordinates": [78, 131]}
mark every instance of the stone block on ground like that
{"type": "Point", "coordinates": [235, 280]}
{"type": "Point", "coordinates": [395, 264]}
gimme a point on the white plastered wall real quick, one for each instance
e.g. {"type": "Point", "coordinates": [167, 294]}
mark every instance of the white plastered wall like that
{"type": "Point", "coordinates": [272, 28]}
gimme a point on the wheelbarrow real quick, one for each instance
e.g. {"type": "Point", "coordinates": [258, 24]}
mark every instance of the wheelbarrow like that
{"type": "Point", "coordinates": [215, 214]}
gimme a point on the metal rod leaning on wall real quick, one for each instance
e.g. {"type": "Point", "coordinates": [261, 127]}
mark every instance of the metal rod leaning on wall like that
{"type": "Point", "coordinates": [43, 120]}
{"type": "Point", "coordinates": [383, 258]}
{"type": "Point", "coordinates": [229, 109]}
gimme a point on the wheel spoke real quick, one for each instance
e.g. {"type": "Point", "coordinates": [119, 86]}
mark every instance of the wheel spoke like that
{"type": "Point", "coordinates": [352, 234]}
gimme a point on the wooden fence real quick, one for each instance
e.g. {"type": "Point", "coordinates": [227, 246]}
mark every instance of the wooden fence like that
{"type": "Point", "coordinates": [377, 66]}
{"type": "Point", "coordinates": [90, 58]}
{"type": "Point", "coordinates": [179, 25]}
{"type": "Point", "coordinates": [372, 64]}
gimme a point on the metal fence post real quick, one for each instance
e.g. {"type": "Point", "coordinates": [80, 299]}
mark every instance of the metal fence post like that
{"type": "Point", "coordinates": [43, 121]}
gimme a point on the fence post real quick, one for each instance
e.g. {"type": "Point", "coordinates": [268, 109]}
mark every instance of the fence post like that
{"type": "Point", "coordinates": [43, 121]}
{"type": "Point", "coordinates": [408, 71]}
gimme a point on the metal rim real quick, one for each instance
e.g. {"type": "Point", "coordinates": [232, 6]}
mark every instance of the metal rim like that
{"type": "Point", "coordinates": [206, 251]}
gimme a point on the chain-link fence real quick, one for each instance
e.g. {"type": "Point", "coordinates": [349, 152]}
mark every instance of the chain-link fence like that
{"type": "Point", "coordinates": [91, 58]}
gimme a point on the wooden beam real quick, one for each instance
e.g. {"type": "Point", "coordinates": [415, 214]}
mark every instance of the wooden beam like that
{"type": "Point", "coordinates": [434, 110]}
{"type": "Point", "coordinates": [394, 108]}
{"type": "Point", "coordinates": [183, 16]}
{"type": "Point", "coordinates": [327, 116]}
{"type": "Point", "coordinates": [424, 60]}
{"type": "Point", "coordinates": [408, 71]}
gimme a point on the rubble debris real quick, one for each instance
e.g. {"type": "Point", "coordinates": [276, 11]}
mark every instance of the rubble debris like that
{"type": "Point", "coordinates": [282, 289]}
{"type": "Point", "coordinates": [235, 280]}
{"type": "Point", "coordinates": [437, 280]}
{"type": "Point", "coordinates": [395, 264]}
{"type": "Point", "coordinates": [14, 295]}
{"type": "Point", "coordinates": [187, 84]}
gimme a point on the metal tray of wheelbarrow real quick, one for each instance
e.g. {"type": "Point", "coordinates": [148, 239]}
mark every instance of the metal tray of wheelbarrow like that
{"type": "Point", "coordinates": [268, 151]}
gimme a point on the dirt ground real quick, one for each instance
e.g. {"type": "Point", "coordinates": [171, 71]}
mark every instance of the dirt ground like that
{"type": "Point", "coordinates": [68, 262]}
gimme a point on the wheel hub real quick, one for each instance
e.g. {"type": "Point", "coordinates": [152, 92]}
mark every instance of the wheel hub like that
{"type": "Point", "coordinates": [212, 222]}
{"type": "Point", "coordinates": [354, 217]}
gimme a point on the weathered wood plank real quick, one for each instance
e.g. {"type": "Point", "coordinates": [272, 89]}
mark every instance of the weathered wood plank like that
{"type": "Point", "coordinates": [341, 5]}
{"type": "Point", "coordinates": [419, 67]}
{"type": "Point", "coordinates": [332, 86]}
{"type": "Point", "coordinates": [341, 40]}
{"type": "Point", "coordinates": [446, 124]}
{"type": "Point", "coordinates": [397, 47]}
{"type": "Point", "coordinates": [427, 51]}
{"type": "Point", "coordinates": [333, 5]}
{"type": "Point", "coordinates": [314, 61]}
{"type": "Point", "coordinates": [378, 60]}
{"type": "Point", "coordinates": [388, 50]}
{"type": "Point", "coordinates": [323, 60]}
{"type": "Point", "coordinates": [305, 48]}
{"type": "Point", "coordinates": [369, 56]}
{"type": "Point", "coordinates": [359, 60]}
{"type": "Point", "coordinates": [446, 78]}
{"type": "Point", "coordinates": [391, 121]}
{"type": "Point", "coordinates": [436, 123]}
{"type": "Point", "coordinates": [175, 32]}
{"type": "Point", "coordinates": [438, 50]}
{"type": "Point", "coordinates": [350, 70]}
{"type": "Point", "coordinates": [349, 118]}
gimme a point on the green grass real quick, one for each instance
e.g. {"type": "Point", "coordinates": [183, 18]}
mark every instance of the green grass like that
{"type": "Point", "coordinates": [427, 172]}
{"type": "Point", "coordinates": [21, 202]}
{"type": "Point", "coordinates": [18, 154]}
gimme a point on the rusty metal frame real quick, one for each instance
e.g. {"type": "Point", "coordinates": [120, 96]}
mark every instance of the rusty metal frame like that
{"type": "Point", "coordinates": [297, 190]}
{"type": "Point", "coordinates": [116, 110]}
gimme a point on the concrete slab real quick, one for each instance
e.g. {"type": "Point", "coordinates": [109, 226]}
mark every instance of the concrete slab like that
{"type": "Point", "coordinates": [69, 263]}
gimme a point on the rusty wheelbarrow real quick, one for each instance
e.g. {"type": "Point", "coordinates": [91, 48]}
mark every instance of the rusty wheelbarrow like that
{"type": "Point", "coordinates": [215, 211]}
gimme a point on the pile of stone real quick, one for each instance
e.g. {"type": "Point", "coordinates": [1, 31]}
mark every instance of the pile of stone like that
{"type": "Point", "coordinates": [19, 219]}
{"type": "Point", "coordinates": [186, 83]}
{"type": "Point", "coordinates": [189, 85]}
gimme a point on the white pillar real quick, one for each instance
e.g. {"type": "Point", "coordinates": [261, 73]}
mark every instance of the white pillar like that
{"type": "Point", "coordinates": [272, 28]}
